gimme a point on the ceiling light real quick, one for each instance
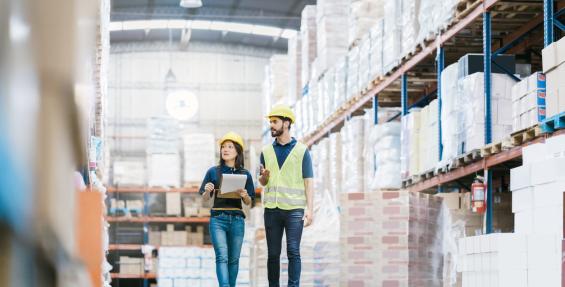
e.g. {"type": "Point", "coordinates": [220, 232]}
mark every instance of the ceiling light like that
{"type": "Point", "coordinates": [191, 3]}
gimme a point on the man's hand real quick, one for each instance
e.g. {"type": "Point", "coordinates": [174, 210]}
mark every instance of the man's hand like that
{"type": "Point", "coordinates": [264, 175]}
{"type": "Point", "coordinates": [242, 192]}
{"type": "Point", "coordinates": [308, 217]}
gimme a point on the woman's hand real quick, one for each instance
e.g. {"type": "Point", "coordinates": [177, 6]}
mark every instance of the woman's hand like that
{"type": "Point", "coordinates": [244, 196]}
{"type": "Point", "coordinates": [208, 188]}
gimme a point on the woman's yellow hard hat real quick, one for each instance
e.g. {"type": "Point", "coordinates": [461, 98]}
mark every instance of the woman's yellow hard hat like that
{"type": "Point", "coordinates": [282, 111]}
{"type": "Point", "coordinates": [231, 136]}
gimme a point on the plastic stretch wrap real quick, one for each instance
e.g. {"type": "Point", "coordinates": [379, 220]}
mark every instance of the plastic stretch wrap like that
{"type": "Point", "coordinates": [528, 101]}
{"type": "Point", "coordinates": [472, 93]}
{"type": "Point", "coordinates": [335, 167]}
{"type": "Point", "coordinates": [299, 124]}
{"type": "Point", "coordinates": [163, 170]}
{"type": "Point", "coordinates": [365, 61]}
{"type": "Point", "coordinates": [451, 115]}
{"type": "Point", "coordinates": [368, 153]}
{"type": "Point", "coordinates": [352, 155]}
{"type": "Point", "coordinates": [332, 21]}
{"type": "Point", "coordinates": [329, 86]}
{"type": "Point", "coordinates": [340, 85]}
{"type": "Point", "coordinates": [199, 155]}
{"type": "Point", "coordinates": [376, 50]}
{"type": "Point", "coordinates": [435, 16]}
{"type": "Point", "coordinates": [362, 16]}
{"type": "Point", "coordinates": [389, 115]}
{"type": "Point", "coordinates": [307, 112]}
{"type": "Point", "coordinates": [129, 172]}
{"type": "Point", "coordinates": [308, 41]}
{"type": "Point", "coordinates": [277, 80]}
{"type": "Point", "coordinates": [164, 133]}
{"type": "Point", "coordinates": [316, 103]}
{"type": "Point", "coordinates": [392, 34]}
{"type": "Point", "coordinates": [294, 69]}
{"type": "Point", "coordinates": [410, 25]}
{"type": "Point", "coordinates": [319, 247]}
{"type": "Point", "coordinates": [385, 143]}
{"type": "Point", "coordinates": [381, 229]}
{"type": "Point", "coordinates": [322, 99]}
{"type": "Point", "coordinates": [429, 137]}
{"type": "Point", "coordinates": [353, 72]}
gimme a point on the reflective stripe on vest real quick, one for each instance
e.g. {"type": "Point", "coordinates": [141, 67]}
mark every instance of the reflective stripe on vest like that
{"type": "Point", "coordinates": [285, 189]}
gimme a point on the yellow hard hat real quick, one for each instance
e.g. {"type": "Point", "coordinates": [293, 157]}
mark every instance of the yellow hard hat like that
{"type": "Point", "coordinates": [231, 136]}
{"type": "Point", "coordinates": [282, 111]}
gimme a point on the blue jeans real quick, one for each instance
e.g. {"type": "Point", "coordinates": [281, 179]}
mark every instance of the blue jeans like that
{"type": "Point", "coordinates": [226, 232]}
{"type": "Point", "coordinates": [278, 221]}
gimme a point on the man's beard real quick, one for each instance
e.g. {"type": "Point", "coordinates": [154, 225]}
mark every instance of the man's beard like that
{"type": "Point", "coordinates": [276, 133]}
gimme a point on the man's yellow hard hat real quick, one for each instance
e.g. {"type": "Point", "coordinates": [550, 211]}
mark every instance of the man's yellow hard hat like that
{"type": "Point", "coordinates": [282, 111]}
{"type": "Point", "coordinates": [233, 137]}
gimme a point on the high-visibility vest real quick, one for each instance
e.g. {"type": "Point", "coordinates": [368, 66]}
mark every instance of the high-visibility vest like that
{"type": "Point", "coordinates": [285, 189]}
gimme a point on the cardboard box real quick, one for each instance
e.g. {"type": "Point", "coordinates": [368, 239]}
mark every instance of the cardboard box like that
{"type": "Point", "coordinates": [172, 202]}
{"type": "Point", "coordinates": [522, 199]}
{"type": "Point", "coordinates": [548, 171]}
{"type": "Point", "coordinates": [555, 146]}
{"type": "Point", "coordinates": [553, 55]}
{"type": "Point", "coordinates": [155, 238]}
{"type": "Point", "coordinates": [131, 265]}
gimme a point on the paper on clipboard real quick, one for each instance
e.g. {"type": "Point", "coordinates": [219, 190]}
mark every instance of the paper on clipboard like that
{"type": "Point", "coordinates": [232, 182]}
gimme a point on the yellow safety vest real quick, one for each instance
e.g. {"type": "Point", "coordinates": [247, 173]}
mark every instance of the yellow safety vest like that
{"type": "Point", "coordinates": [285, 189]}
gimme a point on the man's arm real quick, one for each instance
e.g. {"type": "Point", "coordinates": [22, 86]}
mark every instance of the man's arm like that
{"type": "Point", "coordinates": [309, 212]}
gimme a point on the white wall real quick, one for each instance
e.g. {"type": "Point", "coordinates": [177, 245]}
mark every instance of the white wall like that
{"type": "Point", "coordinates": [226, 80]}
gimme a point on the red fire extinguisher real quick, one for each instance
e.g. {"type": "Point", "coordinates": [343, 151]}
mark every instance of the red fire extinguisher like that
{"type": "Point", "coordinates": [478, 196]}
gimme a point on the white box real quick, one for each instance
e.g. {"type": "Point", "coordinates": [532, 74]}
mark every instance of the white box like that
{"type": "Point", "coordinates": [550, 56]}
{"type": "Point", "coordinates": [524, 222]}
{"type": "Point", "coordinates": [549, 220]}
{"type": "Point", "coordinates": [512, 277]}
{"type": "Point", "coordinates": [556, 146]}
{"type": "Point", "coordinates": [522, 199]}
{"type": "Point", "coordinates": [520, 177]}
{"type": "Point", "coordinates": [547, 171]}
{"type": "Point", "coordinates": [549, 194]}
{"type": "Point", "coordinates": [534, 153]}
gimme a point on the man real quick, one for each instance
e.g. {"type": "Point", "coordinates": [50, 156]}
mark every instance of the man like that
{"type": "Point", "coordinates": [286, 172]}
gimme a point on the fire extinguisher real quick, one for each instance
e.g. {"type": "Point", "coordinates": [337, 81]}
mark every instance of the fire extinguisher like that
{"type": "Point", "coordinates": [478, 196]}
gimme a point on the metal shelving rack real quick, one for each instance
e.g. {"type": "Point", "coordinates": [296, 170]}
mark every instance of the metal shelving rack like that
{"type": "Point", "coordinates": [146, 219]}
{"type": "Point", "coordinates": [520, 39]}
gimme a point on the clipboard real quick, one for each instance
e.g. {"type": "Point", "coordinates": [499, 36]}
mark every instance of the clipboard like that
{"type": "Point", "coordinates": [230, 184]}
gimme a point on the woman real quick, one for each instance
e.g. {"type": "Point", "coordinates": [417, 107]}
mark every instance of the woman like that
{"type": "Point", "coordinates": [227, 219]}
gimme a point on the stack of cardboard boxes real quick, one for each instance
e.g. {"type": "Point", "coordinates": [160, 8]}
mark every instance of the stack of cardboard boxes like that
{"type": "Point", "coordinates": [172, 237]}
{"type": "Point", "coordinates": [131, 265]}
{"type": "Point", "coordinates": [391, 238]}
{"type": "Point", "coordinates": [528, 102]}
{"type": "Point", "coordinates": [553, 60]}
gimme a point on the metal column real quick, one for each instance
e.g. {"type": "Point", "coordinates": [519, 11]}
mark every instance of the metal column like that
{"type": "Point", "coordinates": [376, 109]}
{"type": "Point", "coordinates": [547, 22]}
{"type": "Point", "coordinates": [440, 58]}
{"type": "Point", "coordinates": [404, 93]}
{"type": "Point", "coordinates": [488, 123]}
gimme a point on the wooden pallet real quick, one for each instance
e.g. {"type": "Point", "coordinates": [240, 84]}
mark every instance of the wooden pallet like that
{"type": "Point", "coordinates": [429, 173]}
{"type": "Point", "coordinates": [525, 135]}
{"type": "Point", "coordinates": [553, 123]}
{"type": "Point", "coordinates": [491, 149]}
{"type": "Point", "coordinates": [469, 157]}
{"type": "Point", "coordinates": [465, 7]}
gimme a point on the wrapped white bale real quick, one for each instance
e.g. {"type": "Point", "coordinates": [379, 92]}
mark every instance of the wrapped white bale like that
{"type": "Point", "coordinates": [329, 87]}
{"type": "Point", "coordinates": [308, 39]}
{"type": "Point", "coordinates": [365, 61]}
{"type": "Point", "coordinates": [332, 21]}
{"type": "Point", "coordinates": [294, 69]}
{"type": "Point", "coordinates": [385, 140]}
{"type": "Point", "coordinates": [352, 155]}
{"type": "Point", "coordinates": [451, 116]}
{"type": "Point", "coordinates": [199, 156]}
{"type": "Point", "coordinates": [362, 16]}
{"type": "Point", "coordinates": [163, 170]}
{"type": "Point", "coordinates": [410, 25]}
{"type": "Point", "coordinates": [353, 72]}
{"type": "Point", "coordinates": [376, 49]}
{"type": "Point", "coordinates": [335, 168]}
{"type": "Point", "coordinates": [163, 135]}
{"type": "Point", "coordinates": [277, 80]}
{"type": "Point", "coordinates": [392, 34]}
{"type": "Point", "coordinates": [129, 172]}
{"type": "Point", "coordinates": [340, 90]}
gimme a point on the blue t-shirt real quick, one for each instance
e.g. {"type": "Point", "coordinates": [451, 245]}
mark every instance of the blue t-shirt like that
{"type": "Point", "coordinates": [282, 152]}
{"type": "Point", "coordinates": [212, 176]}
